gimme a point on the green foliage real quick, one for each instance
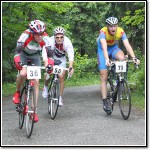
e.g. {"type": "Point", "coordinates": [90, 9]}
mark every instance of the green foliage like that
{"type": "Point", "coordinates": [15, 19]}
{"type": "Point", "coordinates": [82, 22]}
{"type": "Point", "coordinates": [85, 25]}
{"type": "Point", "coordinates": [136, 19]}
{"type": "Point", "coordinates": [137, 78]}
{"type": "Point", "coordinates": [8, 89]}
{"type": "Point", "coordinates": [84, 66]}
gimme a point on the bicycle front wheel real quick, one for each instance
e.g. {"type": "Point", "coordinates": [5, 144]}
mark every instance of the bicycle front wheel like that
{"type": "Point", "coordinates": [53, 99]}
{"type": "Point", "coordinates": [124, 98]}
{"type": "Point", "coordinates": [30, 113]}
{"type": "Point", "coordinates": [22, 107]}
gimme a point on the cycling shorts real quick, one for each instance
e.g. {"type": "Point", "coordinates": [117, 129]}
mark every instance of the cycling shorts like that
{"type": "Point", "coordinates": [62, 59]}
{"type": "Point", "coordinates": [112, 50]}
{"type": "Point", "coordinates": [35, 58]}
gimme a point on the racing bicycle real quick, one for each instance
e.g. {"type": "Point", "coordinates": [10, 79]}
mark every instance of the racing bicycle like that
{"type": "Point", "coordinates": [54, 91]}
{"type": "Point", "coordinates": [119, 91]}
{"type": "Point", "coordinates": [27, 106]}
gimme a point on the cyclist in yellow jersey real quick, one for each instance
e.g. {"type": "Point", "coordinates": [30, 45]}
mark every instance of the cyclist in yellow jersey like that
{"type": "Point", "coordinates": [108, 46]}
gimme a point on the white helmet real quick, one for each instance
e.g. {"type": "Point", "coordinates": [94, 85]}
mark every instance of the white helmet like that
{"type": "Point", "coordinates": [112, 20]}
{"type": "Point", "coordinates": [37, 26]}
{"type": "Point", "coordinates": [59, 30]}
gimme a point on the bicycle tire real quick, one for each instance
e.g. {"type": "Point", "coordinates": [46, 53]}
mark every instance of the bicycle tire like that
{"type": "Point", "coordinates": [30, 113]}
{"type": "Point", "coordinates": [53, 99]}
{"type": "Point", "coordinates": [22, 107]}
{"type": "Point", "coordinates": [124, 98]}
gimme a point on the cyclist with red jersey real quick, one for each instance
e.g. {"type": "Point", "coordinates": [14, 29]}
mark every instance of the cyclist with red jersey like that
{"type": "Point", "coordinates": [108, 46]}
{"type": "Point", "coordinates": [29, 45]}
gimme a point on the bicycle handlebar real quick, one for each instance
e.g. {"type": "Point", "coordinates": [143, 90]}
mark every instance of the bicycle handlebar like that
{"type": "Point", "coordinates": [130, 61]}
{"type": "Point", "coordinates": [42, 67]}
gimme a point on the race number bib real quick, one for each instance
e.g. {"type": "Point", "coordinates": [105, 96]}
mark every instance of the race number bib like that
{"type": "Point", "coordinates": [57, 70]}
{"type": "Point", "coordinates": [121, 66]}
{"type": "Point", "coordinates": [33, 72]}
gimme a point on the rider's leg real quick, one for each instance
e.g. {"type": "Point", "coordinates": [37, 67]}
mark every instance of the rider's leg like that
{"type": "Point", "coordinates": [36, 94]}
{"type": "Point", "coordinates": [36, 60]}
{"type": "Point", "coordinates": [19, 82]}
{"type": "Point", "coordinates": [36, 87]}
{"type": "Point", "coordinates": [61, 79]}
{"type": "Point", "coordinates": [45, 88]}
{"type": "Point", "coordinates": [103, 77]}
{"type": "Point", "coordinates": [116, 53]}
{"type": "Point", "coordinates": [120, 55]}
{"type": "Point", "coordinates": [62, 85]}
{"type": "Point", "coordinates": [46, 79]}
{"type": "Point", "coordinates": [21, 78]}
{"type": "Point", "coordinates": [103, 86]}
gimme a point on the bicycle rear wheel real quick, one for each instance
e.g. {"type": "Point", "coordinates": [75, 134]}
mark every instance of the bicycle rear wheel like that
{"type": "Point", "coordinates": [30, 113]}
{"type": "Point", "coordinates": [53, 99]}
{"type": "Point", "coordinates": [22, 107]}
{"type": "Point", "coordinates": [124, 98]}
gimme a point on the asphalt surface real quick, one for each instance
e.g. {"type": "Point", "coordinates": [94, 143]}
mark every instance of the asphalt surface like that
{"type": "Point", "coordinates": [80, 122]}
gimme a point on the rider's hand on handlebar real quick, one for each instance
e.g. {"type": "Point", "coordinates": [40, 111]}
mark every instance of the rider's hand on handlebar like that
{"type": "Point", "coordinates": [71, 70]}
{"type": "Point", "coordinates": [136, 61]}
{"type": "Point", "coordinates": [49, 69]}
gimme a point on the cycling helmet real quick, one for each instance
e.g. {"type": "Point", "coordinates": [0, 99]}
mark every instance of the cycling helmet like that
{"type": "Point", "coordinates": [59, 30]}
{"type": "Point", "coordinates": [37, 26]}
{"type": "Point", "coordinates": [112, 20]}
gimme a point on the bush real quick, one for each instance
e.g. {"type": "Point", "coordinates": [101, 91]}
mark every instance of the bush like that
{"type": "Point", "coordinates": [137, 78]}
{"type": "Point", "coordinates": [84, 66]}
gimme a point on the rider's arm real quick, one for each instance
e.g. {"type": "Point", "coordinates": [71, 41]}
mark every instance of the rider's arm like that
{"type": "Point", "coordinates": [44, 56]}
{"type": "Point", "coordinates": [103, 42]}
{"type": "Point", "coordinates": [20, 42]}
{"type": "Point", "coordinates": [47, 52]}
{"type": "Point", "coordinates": [128, 47]}
{"type": "Point", "coordinates": [104, 47]}
{"type": "Point", "coordinates": [70, 51]}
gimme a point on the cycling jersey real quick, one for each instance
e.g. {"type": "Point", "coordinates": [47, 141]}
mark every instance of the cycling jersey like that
{"type": "Point", "coordinates": [61, 50]}
{"type": "Point", "coordinates": [29, 45]}
{"type": "Point", "coordinates": [112, 39]}
{"type": "Point", "coordinates": [112, 45]}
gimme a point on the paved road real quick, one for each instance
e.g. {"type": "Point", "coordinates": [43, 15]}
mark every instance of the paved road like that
{"type": "Point", "coordinates": [80, 122]}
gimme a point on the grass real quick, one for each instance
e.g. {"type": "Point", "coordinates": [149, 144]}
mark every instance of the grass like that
{"type": "Point", "coordinates": [138, 100]}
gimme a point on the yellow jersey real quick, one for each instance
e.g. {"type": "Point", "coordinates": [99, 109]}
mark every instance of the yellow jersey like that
{"type": "Point", "coordinates": [112, 39]}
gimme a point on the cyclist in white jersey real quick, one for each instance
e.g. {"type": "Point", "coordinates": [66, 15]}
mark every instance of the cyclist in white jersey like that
{"type": "Point", "coordinates": [29, 45]}
{"type": "Point", "coordinates": [60, 47]}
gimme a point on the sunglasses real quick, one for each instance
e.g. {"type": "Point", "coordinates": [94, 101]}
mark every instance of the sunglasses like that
{"type": "Point", "coordinates": [59, 37]}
